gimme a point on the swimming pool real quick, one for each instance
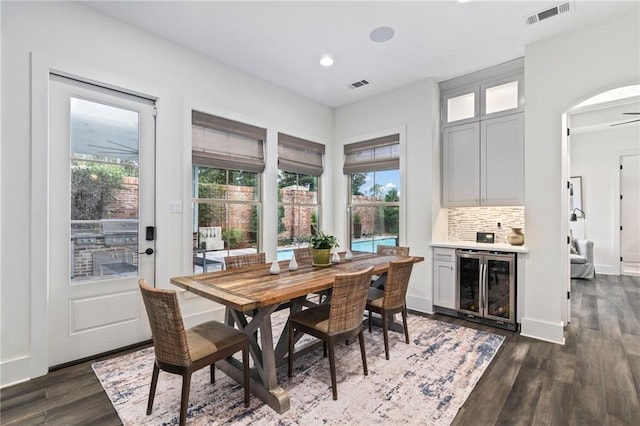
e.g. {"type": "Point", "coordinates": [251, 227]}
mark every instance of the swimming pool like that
{"type": "Point", "coordinates": [360, 245]}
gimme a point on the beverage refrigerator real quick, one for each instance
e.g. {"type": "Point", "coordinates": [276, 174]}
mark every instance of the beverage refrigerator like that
{"type": "Point", "coordinates": [486, 287]}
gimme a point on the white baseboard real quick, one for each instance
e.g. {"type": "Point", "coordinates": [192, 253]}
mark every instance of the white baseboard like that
{"type": "Point", "coordinates": [15, 371]}
{"type": "Point", "coordinates": [607, 269]}
{"type": "Point", "coordinates": [543, 330]}
{"type": "Point", "coordinates": [420, 304]}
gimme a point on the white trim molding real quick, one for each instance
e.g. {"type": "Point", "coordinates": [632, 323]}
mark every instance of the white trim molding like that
{"type": "Point", "coordinates": [543, 330]}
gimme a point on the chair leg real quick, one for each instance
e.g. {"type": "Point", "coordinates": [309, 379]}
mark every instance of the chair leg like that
{"type": "Point", "coordinates": [245, 369]}
{"type": "Point", "coordinates": [184, 401]}
{"type": "Point", "coordinates": [152, 390]}
{"type": "Point", "coordinates": [291, 330]}
{"type": "Point", "coordinates": [385, 332]}
{"type": "Point", "coordinates": [369, 320]}
{"type": "Point", "coordinates": [332, 367]}
{"type": "Point", "coordinates": [212, 372]}
{"type": "Point", "coordinates": [363, 353]}
{"type": "Point", "coordinates": [324, 349]}
{"type": "Point", "coordinates": [404, 322]}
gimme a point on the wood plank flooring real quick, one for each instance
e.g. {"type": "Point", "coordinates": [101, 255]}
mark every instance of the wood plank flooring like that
{"type": "Point", "coordinates": [594, 379]}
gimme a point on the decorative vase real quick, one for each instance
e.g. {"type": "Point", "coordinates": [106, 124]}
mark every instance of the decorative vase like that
{"type": "Point", "coordinates": [335, 258]}
{"type": "Point", "coordinates": [348, 255]}
{"type": "Point", "coordinates": [321, 257]}
{"type": "Point", "coordinates": [516, 237]}
{"type": "Point", "coordinates": [293, 264]}
{"type": "Point", "coordinates": [275, 267]}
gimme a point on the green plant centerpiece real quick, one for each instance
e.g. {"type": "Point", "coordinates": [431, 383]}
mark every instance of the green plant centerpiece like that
{"type": "Point", "coordinates": [322, 244]}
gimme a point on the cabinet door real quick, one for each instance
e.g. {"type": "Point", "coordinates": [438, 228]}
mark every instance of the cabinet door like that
{"type": "Point", "coordinates": [502, 161]}
{"type": "Point", "coordinates": [444, 284]}
{"type": "Point", "coordinates": [461, 165]}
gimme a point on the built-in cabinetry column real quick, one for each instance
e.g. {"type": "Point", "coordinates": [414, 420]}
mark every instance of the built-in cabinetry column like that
{"type": "Point", "coordinates": [444, 277]}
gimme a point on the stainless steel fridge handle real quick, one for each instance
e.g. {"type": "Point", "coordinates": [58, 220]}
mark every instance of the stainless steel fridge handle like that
{"type": "Point", "coordinates": [483, 278]}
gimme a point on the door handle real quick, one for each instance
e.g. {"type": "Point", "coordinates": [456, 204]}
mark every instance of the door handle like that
{"type": "Point", "coordinates": [148, 252]}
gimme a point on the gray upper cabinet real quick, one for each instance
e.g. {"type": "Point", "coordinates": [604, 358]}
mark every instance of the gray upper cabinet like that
{"type": "Point", "coordinates": [461, 165]}
{"type": "Point", "coordinates": [483, 137]}
{"type": "Point", "coordinates": [502, 161]}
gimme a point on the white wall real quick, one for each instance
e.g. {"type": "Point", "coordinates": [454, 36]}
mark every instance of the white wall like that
{"type": "Point", "coordinates": [80, 41]}
{"type": "Point", "coordinates": [414, 111]}
{"type": "Point", "coordinates": [595, 156]}
{"type": "Point", "coordinates": [559, 73]}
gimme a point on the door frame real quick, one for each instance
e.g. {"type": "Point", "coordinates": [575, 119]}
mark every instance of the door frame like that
{"type": "Point", "coordinates": [42, 64]}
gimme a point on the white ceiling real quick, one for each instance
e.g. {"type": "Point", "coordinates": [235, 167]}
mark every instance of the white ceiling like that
{"type": "Point", "coordinates": [282, 42]}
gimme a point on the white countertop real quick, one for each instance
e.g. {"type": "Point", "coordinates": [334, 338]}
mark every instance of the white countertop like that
{"type": "Point", "coordinates": [481, 246]}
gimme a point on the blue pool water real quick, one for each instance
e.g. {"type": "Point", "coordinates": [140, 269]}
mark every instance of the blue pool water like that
{"type": "Point", "coordinates": [360, 245]}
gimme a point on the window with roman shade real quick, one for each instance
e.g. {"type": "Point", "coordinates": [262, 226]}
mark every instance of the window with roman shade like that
{"type": "Point", "coordinates": [222, 143]}
{"type": "Point", "coordinates": [227, 160]}
{"type": "Point", "coordinates": [372, 155]}
{"type": "Point", "coordinates": [300, 165]}
{"type": "Point", "coordinates": [373, 167]}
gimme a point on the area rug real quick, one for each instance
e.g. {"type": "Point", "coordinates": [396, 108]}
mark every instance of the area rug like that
{"type": "Point", "coordinates": [425, 382]}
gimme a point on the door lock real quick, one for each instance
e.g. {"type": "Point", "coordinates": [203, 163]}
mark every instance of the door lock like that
{"type": "Point", "coordinates": [148, 251]}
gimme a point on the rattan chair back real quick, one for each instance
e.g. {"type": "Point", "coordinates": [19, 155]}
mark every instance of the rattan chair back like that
{"type": "Point", "coordinates": [395, 290]}
{"type": "Point", "coordinates": [169, 337]}
{"type": "Point", "coordinates": [238, 261]}
{"type": "Point", "coordinates": [303, 253]}
{"type": "Point", "coordinates": [393, 250]}
{"type": "Point", "coordinates": [348, 300]}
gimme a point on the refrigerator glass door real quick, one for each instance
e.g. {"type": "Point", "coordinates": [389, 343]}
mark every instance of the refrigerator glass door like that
{"type": "Point", "coordinates": [499, 290]}
{"type": "Point", "coordinates": [469, 281]}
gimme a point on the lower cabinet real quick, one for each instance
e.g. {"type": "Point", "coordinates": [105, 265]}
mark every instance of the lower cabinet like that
{"type": "Point", "coordinates": [444, 277]}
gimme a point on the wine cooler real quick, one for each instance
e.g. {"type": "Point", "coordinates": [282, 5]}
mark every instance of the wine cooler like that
{"type": "Point", "coordinates": [486, 287]}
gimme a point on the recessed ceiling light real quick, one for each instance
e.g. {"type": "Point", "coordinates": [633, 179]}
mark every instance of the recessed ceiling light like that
{"type": "Point", "coordinates": [381, 34]}
{"type": "Point", "coordinates": [326, 61]}
{"type": "Point", "coordinates": [463, 1]}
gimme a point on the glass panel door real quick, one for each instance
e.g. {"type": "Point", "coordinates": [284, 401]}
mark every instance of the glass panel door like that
{"type": "Point", "coordinates": [500, 289]}
{"type": "Point", "coordinates": [469, 283]}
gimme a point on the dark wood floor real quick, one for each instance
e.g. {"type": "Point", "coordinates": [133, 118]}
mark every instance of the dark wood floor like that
{"type": "Point", "coordinates": [594, 379]}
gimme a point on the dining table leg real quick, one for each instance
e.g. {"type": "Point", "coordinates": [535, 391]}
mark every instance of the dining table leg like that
{"type": "Point", "coordinates": [263, 375]}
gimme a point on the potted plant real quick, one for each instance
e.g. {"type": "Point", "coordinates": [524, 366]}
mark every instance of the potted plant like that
{"type": "Point", "coordinates": [357, 226]}
{"type": "Point", "coordinates": [322, 244]}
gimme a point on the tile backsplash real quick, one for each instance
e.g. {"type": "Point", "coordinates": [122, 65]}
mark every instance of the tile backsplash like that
{"type": "Point", "coordinates": [464, 222]}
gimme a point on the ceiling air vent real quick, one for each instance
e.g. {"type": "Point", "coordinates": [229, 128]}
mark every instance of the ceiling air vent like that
{"type": "Point", "coordinates": [548, 13]}
{"type": "Point", "coordinates": [358, 84]}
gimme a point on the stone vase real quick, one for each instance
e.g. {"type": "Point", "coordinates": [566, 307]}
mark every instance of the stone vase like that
{"type": "Point", "coordinates": [516, 237]}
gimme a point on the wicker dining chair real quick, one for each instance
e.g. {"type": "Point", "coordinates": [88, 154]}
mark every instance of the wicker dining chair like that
{"type": "Point", "coordinates": [391, 300]}
{"type": "Point", "coordinates": [378, 281]}
{"type": "Point", "coordinates": [183, 352]}
{"type": "Point", "coordinates": [342, 318]}
{"type": "Point", "coordinates": [241, 260]}
{"type": "Point", "coordinates": [303, 253]}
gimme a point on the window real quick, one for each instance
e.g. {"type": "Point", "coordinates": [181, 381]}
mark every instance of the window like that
{"type": "Point", "coordinates": [299, 170]}
{"type": "Point", "coordinates": [228, 160]}
{"type": "Point", "coordinates": [461, 107]}
{"type": "Point", "coordinates": [373, 167]}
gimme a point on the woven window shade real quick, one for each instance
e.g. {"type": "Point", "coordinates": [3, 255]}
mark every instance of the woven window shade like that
{"type": "Point", "coordinates": [372, 155]}
{"type": "Point", "coordinates": [227, 144]}
{"type": "Point", "coordinates": [299, 155]}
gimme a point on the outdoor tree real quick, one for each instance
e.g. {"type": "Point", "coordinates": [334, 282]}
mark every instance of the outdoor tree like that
{"type": "Point", "coordinates": [391, 213]}
{"type": "Point", "coordinates": [357, 180]}
{"type": "Point", "coordinates": [91, 188]}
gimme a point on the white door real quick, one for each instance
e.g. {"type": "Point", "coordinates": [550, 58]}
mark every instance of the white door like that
{"type": "Point", "coordinates": [630, 214]}
{"type": "Point", "coordinates": [101, 198]}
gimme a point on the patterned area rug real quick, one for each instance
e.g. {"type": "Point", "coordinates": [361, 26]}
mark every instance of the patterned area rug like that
{"type": "Point", "coordinates": [425, 382]}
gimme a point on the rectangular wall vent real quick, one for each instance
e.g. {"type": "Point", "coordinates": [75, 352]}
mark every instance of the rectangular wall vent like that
{"type": "Point", "coordinates": [358, 84]}
{"type": "Point", "coordinates": [550, 12]}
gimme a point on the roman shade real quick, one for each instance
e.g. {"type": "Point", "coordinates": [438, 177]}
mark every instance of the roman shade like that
{"type": "Point", "coordinates": [372, 155]}
{"type": "Point", "coordinates": [222, 143]}
{"type": "Point", "coordinates": [299, 155]}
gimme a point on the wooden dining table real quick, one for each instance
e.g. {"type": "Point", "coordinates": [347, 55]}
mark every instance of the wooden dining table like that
{"type": "Point", "coordinates": [251, 294]}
